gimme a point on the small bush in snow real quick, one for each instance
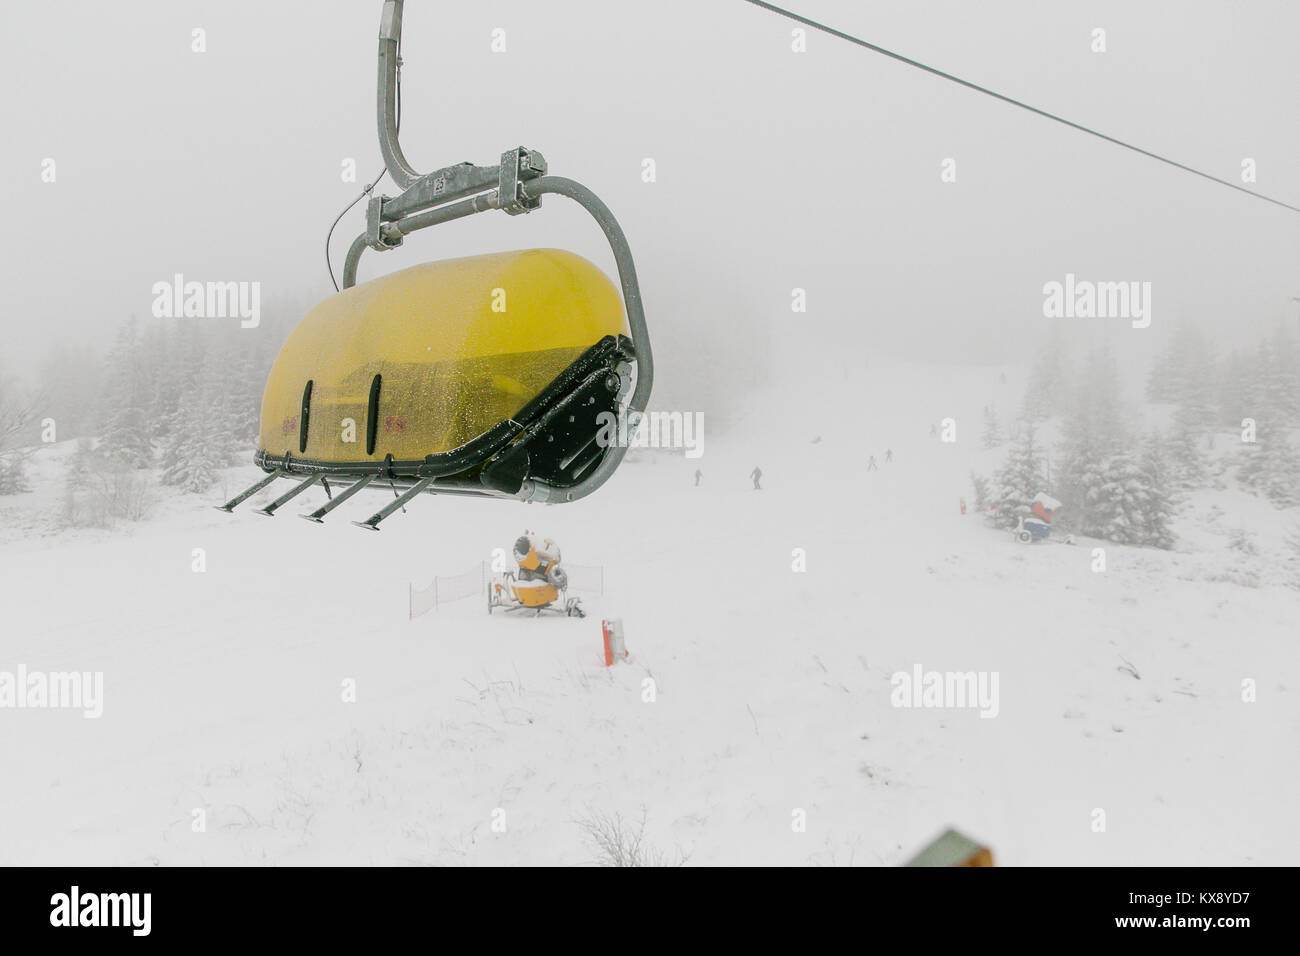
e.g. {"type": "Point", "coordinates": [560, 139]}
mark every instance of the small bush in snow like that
{"type": "Point", "coordinates": [1293, 542]}
{"type": "Point", "coordinates": [100, 492]}
{"type": "Point", "coordinates": [13, 477]}
{"type": "Point", "coordinates": [1240, 540]}
{"type": "Point", "coordinates": [620, 843]}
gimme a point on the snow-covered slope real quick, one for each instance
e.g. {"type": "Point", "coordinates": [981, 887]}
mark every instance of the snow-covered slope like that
{"type": "Point", "coordinates": [771, 687]}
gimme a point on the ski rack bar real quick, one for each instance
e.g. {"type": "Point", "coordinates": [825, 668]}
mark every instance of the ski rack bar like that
{"type": "Point", "coordinates": [243, 496]}
{"type": "Point", "coordinates": [372, 523]}
{"type": "Point", "coordinates": [319, 514]}
{"type": "Point", "coordinates": [289, 495]}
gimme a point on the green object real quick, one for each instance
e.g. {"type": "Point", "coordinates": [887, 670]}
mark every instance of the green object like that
{"type": "Point", "coordinates": [950, 848]}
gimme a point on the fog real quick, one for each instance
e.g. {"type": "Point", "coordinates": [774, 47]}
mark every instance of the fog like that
{"type": "Point", "coordinates": [950, 401]}
{"type": "Point", "coordinates": [775, 170]}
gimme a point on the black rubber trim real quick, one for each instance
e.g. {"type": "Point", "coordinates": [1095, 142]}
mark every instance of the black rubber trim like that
{"type": "Point", "coordinates": [372, 414]}
{"type": "Point", "coordinates": [567, 429]}
{"type": "Point", "coordinates": [302, 418]}
{"type": "Point", "coordinates": [604, 354]}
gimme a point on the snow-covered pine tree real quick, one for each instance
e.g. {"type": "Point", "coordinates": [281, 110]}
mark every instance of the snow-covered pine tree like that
{"type": "Point", "coordinates": [1278, 377]}
{"type": "Point", "coordinates": [1125, 504]}
{"type": "Point", "coordinates": [983, 492]}
{"type": "Point", "coordinates": [1049, 382]}
{"type": "Point", "coordinates": [992, 436]}
{"type": "Point", "coordinates": [1231, 390]}
{"type": "Point", "coordinates": [80, 465]}
{"type": "Point", "coordinates": [1195, 415]}
{"type": "Point", "coordinates": [197, 441]}
{"type": "Point", "coordinates": [75, 376]}
{"type": "Point", "coordinates": [1271, 467]}
{"type": "Point", "coordinates": [156, 371]}
{"type": "Point", "coordinates": [1293, 543]}
{"type": "Point", "coordinates": [262, 353]}
{"type": "Point", "coordinates": [1022, 476]}
{"type": "Point", "coordinates": [1094, 432]}
{"type": "Point", "coordinates": [1184, 445]}
{"type": "Point", "coordinates": [1181, 374]}
{"type": "Point", "coordinates": [126, 428]}
{"type": "Point", "coordinates": [225, 412]}
{"type": "Point", "coordinates": [169, 374]}
{"type": "Point", "coordinates": [16, 417]}
{"type": "Point", "coordinates": [184, 375]}
{"type": "Point", "coordinates": [1159, 388]}
{"type": "Point", "coordinates": [1160, 502]}
{"type": "Point", "coordinates": [189, 462]}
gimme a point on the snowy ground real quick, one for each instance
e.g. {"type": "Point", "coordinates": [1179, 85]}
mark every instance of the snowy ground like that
{"type": "Point", "coordinates": [223, 690]}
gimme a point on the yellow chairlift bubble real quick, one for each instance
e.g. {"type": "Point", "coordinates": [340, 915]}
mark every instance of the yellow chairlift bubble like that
{"type": "Point", "coordinates": [492, 375]}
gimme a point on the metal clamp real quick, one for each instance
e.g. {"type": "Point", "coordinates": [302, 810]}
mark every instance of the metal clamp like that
{"type": "Point", "coordinates": [380, 235]}
{"type": "Point", "coordinates": [517, 167]}
{"type": "Point", "coordinates": [441, 186]}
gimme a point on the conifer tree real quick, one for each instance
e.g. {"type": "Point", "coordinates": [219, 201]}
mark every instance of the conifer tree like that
{"type": "Point", "coordinates": [983, 492]}
{"type": "Point", "coordinates": [992, 436]}
{"type": "Point", "coordinates": [1125, 503]}
{"type": "Point", "coordinates": [127, 426]}
{"type": "Point", "coordinates": [1022, 477]}
{"type": "Point", "coordinates": [1049, 384]}
{"type": "Point", "coordinates": [1094, 432]}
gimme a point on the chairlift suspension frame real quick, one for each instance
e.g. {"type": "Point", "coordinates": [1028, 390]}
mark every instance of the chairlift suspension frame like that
{"type": "Point", "coordinates": [516, 186]}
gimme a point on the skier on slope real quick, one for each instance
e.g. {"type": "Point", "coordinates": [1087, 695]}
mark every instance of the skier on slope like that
{"type": "Point", "coordinates": [698, 475]}
{"type": "Point", "coordinates": [889, 455]}
{"type": "Point", "coordinates": [871, 464]}
{"type": "Point", "coordinates": [757, 475]}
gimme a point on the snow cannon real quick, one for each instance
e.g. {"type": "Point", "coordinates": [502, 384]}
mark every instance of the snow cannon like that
{"type": "Point", "coordinates": [539, 582]}
{"type": "Point", "coordinates": [1037, 526]}
{"type": "Point", "coordinates": [507, 375]}
{"type": "Point", "coordinates": [1045, 506]}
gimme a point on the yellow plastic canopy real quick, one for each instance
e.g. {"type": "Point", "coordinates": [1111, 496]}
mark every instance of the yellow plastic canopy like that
{"type": "Point", "coordinates": [459, 346]}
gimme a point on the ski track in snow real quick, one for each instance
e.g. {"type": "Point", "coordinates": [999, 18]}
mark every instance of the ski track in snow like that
{"type": "Point", "coordinates": [223, 689]}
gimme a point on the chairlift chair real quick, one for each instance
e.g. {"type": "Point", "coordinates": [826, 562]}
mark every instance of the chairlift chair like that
{"type": "Point", "coordinates": [488, 376]}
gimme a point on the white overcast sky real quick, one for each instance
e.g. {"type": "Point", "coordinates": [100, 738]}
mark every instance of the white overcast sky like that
{"type": "Point", "coordinates": [775, 170]}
